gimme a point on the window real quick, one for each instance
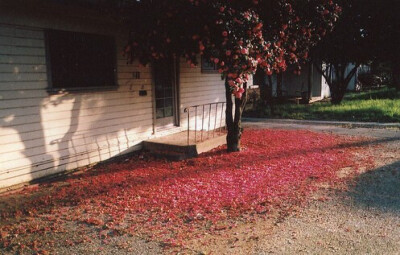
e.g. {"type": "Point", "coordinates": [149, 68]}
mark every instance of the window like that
{"type": "Point", "coordinates": [208, 66]}
{"type": "Point", "coordinates": [80, 61]}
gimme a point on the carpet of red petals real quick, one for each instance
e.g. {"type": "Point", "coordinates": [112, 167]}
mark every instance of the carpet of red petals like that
{"type": "Point", "coordinates": [170, 201]}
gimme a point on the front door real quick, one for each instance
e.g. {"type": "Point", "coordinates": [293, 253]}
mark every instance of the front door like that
{"type": "Point", "coordinates": [165, 82]}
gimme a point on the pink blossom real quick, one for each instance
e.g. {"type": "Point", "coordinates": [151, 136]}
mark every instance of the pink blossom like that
{"type": "Point", "coordinates": [128, 49]}
{"type": "Point", "coordinates": [201, 47]}
{"type": "Point", "coordinates": [238, 95]}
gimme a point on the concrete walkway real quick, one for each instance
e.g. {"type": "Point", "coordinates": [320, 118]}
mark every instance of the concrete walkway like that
{"type": "Point", "coordinates": [349, 124]}
{"type": "Point", "coordinates": [385, 132]}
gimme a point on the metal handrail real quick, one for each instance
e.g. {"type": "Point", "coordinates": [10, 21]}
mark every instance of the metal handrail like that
{"type": "Point", "coordinates": [204, 108]}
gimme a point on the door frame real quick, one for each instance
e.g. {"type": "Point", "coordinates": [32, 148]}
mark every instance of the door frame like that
{"type": "Point", "coordinates": [176, 98]}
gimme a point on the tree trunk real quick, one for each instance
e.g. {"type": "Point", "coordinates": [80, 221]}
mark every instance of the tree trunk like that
{"type": "Point", "coordinates": [338, 85]}
{"type": "Point", "coordinates": [338, 90]}
{"type": "Point", "coordinates": [279, 79]}
{"type": "Point", "coordinates": [396, 73]}
{"type": "Point", "coordinates": [234, 123]}
{"type": "Point", "coordinates": [263, 93]}
{"type": "Point", "coordinates": [270, 96]}
{"type": "Point", "coordinates": [266, 93]}
{"type": "Point", "coordinates": [310, 81]}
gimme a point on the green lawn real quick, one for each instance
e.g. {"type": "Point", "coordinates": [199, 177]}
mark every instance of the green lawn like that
{"type": "Point", "coordinates": [373, 106]}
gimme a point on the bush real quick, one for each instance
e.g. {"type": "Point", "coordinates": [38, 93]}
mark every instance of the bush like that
{"type": "Point", "coordinates": [369, 81]}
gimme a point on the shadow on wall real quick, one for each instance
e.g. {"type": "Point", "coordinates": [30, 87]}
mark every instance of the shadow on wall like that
{"type": "Point", "coordinates": [64, 132]}
{"type": "Point", "coordinates": [31, 135]}
{"type": "Point", "coordinates": [32, 142]}
{"type": "Point", "coordinates": [63, 143]}
{"type": "Point", "coordinates": [379, 189]}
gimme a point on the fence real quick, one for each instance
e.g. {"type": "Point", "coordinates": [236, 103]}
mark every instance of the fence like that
{"type": "Point", "coordinates": [205, 125]}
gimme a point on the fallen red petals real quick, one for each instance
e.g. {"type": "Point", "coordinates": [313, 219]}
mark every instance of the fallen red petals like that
{"type": "Point", "coordinates": [169, 200]}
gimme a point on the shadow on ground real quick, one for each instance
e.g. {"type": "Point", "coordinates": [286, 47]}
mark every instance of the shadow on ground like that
{"type": "Point", "coordinates": [379, 189]}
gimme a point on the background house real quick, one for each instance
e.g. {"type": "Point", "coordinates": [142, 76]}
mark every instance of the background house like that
{"type": "Point", "coordinates": [68, 98]}
{"type": "Point", "coordinates": [293, 85]}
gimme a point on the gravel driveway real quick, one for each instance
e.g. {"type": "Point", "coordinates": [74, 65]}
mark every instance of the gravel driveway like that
{"type": "Point", "coordinates": [363, 220]}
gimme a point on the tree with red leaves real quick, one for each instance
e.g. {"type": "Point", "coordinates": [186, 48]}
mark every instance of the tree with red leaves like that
{"type": "Point", "coordinates": [238, 36]}
{"type": "Point", "coordinates": [298, 26]}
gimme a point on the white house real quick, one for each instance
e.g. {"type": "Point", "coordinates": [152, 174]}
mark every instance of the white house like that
{"type": "Point", "coordinates": [353, 83]}
{"type": "Point", "coordinates": [293, 85]}
{"type": "Point", "coordinates": [68, 98]}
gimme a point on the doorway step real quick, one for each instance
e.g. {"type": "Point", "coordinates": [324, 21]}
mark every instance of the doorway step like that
{"type": "Point", "coordinates": [184, 145]}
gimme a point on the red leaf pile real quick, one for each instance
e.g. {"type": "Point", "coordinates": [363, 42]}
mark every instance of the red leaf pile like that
{"type": "Point", "coordinates": [170, 200]}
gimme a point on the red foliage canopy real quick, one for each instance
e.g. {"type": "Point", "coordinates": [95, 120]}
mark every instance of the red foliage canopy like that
{"type": "Point", "coordinates": [238, 36]}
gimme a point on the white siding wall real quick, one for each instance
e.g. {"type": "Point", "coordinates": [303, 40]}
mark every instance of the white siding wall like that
{"type": "Point", "coordinates": [42, 134]}
{"type": "Point", "coordinates": [198, 88]}
{"type": "Point", "coordinates": [295, 84]}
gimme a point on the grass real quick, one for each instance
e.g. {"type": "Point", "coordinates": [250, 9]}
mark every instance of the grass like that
{"type": "Point", "coordinates": [372, 106]}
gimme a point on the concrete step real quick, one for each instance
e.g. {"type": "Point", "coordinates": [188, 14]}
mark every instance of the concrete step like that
{"type": "Point", "coordinates": [175, 146]}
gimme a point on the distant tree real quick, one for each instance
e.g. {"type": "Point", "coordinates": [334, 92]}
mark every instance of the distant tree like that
{"type": "Point", "coordinates": [339, 49]}
{"type": "Point", "coordinates": [298, 25]}
{"type": "Point", "coordinates": [230, 33]}
{"type": "Point", "coordinates": [366, 31]}
{"type": "Point", "coordinates": [383, 28]}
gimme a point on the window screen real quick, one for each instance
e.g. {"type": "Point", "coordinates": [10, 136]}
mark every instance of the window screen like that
{"type": "Point", "coordinates": [208, 66]}
{"type": "Point", "coordinates": [80, 60]}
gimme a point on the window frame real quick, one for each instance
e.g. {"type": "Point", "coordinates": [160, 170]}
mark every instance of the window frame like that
{"type": "Point", "coordinates": [208, 69]}
{"type": "Point", "coordinates": [51, 89]}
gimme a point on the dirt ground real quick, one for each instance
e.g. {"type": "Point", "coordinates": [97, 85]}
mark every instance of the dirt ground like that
{"type": "Point", "coordinates": [365, 219]}
{"type": "Point", "coordinates": [361, 218]}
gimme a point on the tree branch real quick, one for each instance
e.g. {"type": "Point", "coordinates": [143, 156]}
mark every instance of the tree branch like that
{"type": "Point", "coordinates": [319, 69]}
{"type": "Point", "coordinates": [351, 73]}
